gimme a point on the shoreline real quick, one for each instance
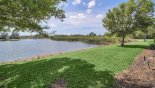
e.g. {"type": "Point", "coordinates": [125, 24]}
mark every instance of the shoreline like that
{"type": "Point", "coordinates": [44, 56]}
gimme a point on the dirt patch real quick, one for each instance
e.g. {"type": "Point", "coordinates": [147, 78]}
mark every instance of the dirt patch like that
{"type": "Point", "coordinates": [61, 83]}
{"type": "Point", "coordinates": [141, 74]}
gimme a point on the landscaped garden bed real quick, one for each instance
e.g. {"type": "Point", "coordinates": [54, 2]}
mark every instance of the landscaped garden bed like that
{"type": "Point", "coordinates": [141, 74]}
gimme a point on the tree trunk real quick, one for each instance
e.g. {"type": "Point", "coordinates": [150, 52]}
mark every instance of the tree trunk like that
{"type": "Point", "coordinates": [145, 36]}
{"type": "Point", "coordinates": [123, 40]}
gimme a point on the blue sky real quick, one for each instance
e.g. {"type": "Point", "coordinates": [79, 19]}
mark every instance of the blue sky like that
{"type": "Point", "coordinates": [83, 16]}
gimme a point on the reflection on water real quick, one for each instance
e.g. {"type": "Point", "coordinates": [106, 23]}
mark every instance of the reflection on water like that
{"type": "Point", "coordinates": [14, 50]}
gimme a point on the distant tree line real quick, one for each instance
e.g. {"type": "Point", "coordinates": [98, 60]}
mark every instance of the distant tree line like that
{"type": "Point", "coordinates": [6, 36]}
{"type": "Point", "coordinates": [90, 38]}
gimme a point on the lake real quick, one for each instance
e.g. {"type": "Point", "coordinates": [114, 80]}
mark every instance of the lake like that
{"type": "Point", "coordinates": [14, 50]}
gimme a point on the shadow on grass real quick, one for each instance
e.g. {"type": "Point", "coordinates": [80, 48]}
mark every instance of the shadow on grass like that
{"type": "Point", "coordinates": [135, 46]}
{"type": "Point", "coordinates": [41, 74]}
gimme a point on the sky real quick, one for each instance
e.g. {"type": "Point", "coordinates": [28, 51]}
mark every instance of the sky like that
{"type": "Point", "coordinates": [83, 17]}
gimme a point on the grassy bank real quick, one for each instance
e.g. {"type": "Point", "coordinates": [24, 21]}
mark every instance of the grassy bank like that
{"type": "Point", "coordinates": [92, 68]}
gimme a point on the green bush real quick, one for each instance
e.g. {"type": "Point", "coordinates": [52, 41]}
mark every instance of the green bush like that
{"type": "Point", "coordinates": [152, 46]}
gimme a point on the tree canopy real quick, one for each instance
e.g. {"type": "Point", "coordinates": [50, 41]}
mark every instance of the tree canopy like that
{"type": "Point", "coordinates": [25, 15]}
{"type": "Point", "coordinates": [129, 16]}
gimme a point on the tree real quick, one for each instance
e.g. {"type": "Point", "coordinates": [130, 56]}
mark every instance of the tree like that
{"type": "Point", "coordinates": [92, 34]}
{"type": "Point", "coordinates": [152, 32]}
{"type": "Point", "coordinates": [126, 18]}
{"type": "Point", "coordinates": [14, 35]}
{"type": "Point", "coordinates": [25, 15]}
{"type": "Point", "coordinates": [138, 35]}
{"type": "Point", "coordinates": [4, 36]}
{"type": "Point", "coordinates": [43, 34]}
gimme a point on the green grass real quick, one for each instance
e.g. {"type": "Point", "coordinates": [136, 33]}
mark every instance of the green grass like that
{"type": "Point", "coordinates": [91, 68]}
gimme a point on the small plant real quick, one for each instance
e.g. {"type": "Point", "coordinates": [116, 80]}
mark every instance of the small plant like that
{"type": "Point", "coordinates": [152, 46]}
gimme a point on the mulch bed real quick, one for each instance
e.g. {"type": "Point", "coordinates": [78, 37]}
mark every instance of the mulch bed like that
{"type": "Point", "coordinates": [60, 83]}
{"type": "Point", "coordinates": [141, 74]}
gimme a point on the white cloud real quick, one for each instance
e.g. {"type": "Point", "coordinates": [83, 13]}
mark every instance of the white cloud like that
{"type": "Point", "coordinates": [89, 10]}
{"type": "Point", "coordinates": [52, 25]}
{"type": "Point", "coordinates": [73, 17]}
{"type": "Point", "coordinates": [75, 2]}
{"type": "Point", "coordinates": [99, 16]}
{"type": "Point", "coordinates": [82, 20]}
{"type": "Point", "coordinates": [80, 15]}
{"type": "Point", "coordinates": [76, 19]}
{"type": "Point", "coordinates": [91, 4]}
{"type": "Point", "coordinates": [77, 23]}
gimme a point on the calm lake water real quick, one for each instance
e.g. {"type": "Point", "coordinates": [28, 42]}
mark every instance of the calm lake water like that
{"type": "Point", "coordinates": [14, 50]}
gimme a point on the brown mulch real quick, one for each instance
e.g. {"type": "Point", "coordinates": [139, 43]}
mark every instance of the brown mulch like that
{"type": "Point", "coordinates": [141, 74]}
{"type": "Point", "coordinates": [60, 83]}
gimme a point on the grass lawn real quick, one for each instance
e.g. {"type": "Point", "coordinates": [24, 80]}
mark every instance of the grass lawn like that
{"type": "Point", "coordinates": [91, 68]}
